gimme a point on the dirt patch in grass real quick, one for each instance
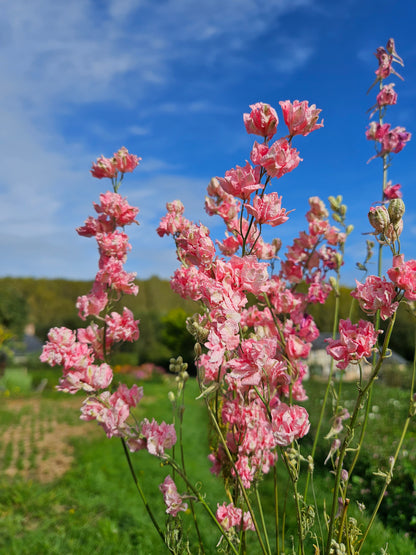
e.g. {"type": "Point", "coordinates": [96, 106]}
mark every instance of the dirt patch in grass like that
{"type": "Point", "coordinates": [37, 445]}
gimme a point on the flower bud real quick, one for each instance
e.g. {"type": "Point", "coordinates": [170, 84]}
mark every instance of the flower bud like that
{"type": "Point", "coordinates": [349, 229]}
{"type": "Point", "coordinates": [333, 202]}
{"type": "Point", "coordinates": [379, 218]}
{"type": "Point", "coordinates": [197, 350]}
{"type": "Point", "coordinates": [171, 397]}
{"type": "Point", "coordinates": [396, 210]}
{"type": "Point", "coordinates": [338, 259]}
{"type": "Point", "coordinates": [333, 283]}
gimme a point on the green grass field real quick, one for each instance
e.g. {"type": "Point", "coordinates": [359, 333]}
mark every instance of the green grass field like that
{"type": "Point", "coordinates": [66, 489]}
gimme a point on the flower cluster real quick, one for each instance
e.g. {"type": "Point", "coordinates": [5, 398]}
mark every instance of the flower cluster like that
{"type": "Point", "coordinates": [83, 354]}
{"type": "Point", "coordinates": [254, 353]}
{"type": "Point", "coordinates": [121, 162]}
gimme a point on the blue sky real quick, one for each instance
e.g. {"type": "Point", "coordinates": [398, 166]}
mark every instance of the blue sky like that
{"type": "Point", "coordinates": [170, 80]}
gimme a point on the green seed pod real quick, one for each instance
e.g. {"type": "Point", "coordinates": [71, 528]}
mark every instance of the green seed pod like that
{"type": "Point", "coordinates": [379, 218]}
{"type": "Point", "coordinates": [396, 210]}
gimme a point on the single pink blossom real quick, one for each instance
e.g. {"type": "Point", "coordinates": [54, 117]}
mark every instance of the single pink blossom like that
{"type": "Point", "coordinates": [114, 244]}
{"type": "Point", "coordinates": [392, 191]}
{"type": "Point", "coordinates": [92, 226]}
{"type": "Point", "coordinates": [125, 162]}
{"type": "Point", "coordinates": [403, 275]}
{"type": "Point", "coordinates": [387, 96]}
{"type": "Point", "coordinates": [195, 246]}
{"type": "Point", "coordinates": [258, 151]}
{"type": "Point", "coordinates": [111, 414]}
{"type": "Point", "coordinates": [268, 210]}
{"type": "Point", "coordinates": [376, 294]}
{"type": "Point", "coordinates": [289, 423]}
{"type": "Point", "coordinates": [300, 118]}
{"type": "Point", "coordinates": [173, 222]}
{"type": "Point", "coordinates": [230, 516]}
{"type": "Point", "coordinates": [112, 274]}
{"type": "Point", "coordinates": [121, 327]}
{"type": "Point", "coordinates": [241, 181]}
{"type": "Point", "coordinates": [355, 342]}
{"type": "Point", "coordinates": [281, 158]}
{"type": "Point", "coordinates": [262, 120]}
{"type": "Point", "coordinates": [158, 436]}
{"type": "Point", "coordinates": [173, 501]}
{"type": "Point", "coordinates": [93, 303]}
{"type": "Point", "coordinates": [115, 207]}
{"type": "Point", "coordinates": [104, 167]}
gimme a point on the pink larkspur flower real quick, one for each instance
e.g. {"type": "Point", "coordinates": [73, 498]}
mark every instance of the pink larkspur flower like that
{"type": "Point", "coordinates": [300, 118]}
{"type": "Point", "coordinates": [158, 436]}
{"type": "Point", "coordinates": [125, 162]}
{"type": "Point", "coordinates": [376, 294]}
{"type": "Point", "coordinates": [241, 181]}
{"type": "Point", "coordinates": [289, 423]}
{"type": "Point", "coordinates": [387, 96]}
{"type": "Point", "coordinates": [403, 275]}
{"type": "Point", "coordinates": [93, 303]}
{"type": "Point", "coordinates": [355, 342]}
{"type": "Point", "coordinates": [104, 167]}
{"type": "Point", "coordinates": [195, 246]}
{"type": "Point", "coordinates": [392, 191]}
{"type": "Point", "coordinates": [173, 501]}
{"type": "Point", "coordinates": [262, 120]}
{"type": "Point", "coordinates": [122, 327]}
{"type": "Point", "coordinates": [116, 208]}
{"type": "Point", "coordinates": [268, 210]}
{"type": "Point", "coordinates": [281, 158]}
{"type": "Point", "coordinates": [230, 516]}
{"type": "Point", "coordinates": [173, 222]}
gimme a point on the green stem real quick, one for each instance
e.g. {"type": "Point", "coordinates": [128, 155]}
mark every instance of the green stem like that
{"type": "Point", "coordinates": [181, 410]}
{"type": "Point", "coordinates": [349, 433]}
{"type": "Point", "coordinates": [141, 493]}
{"type": "Point", "coordinates": [276, 509]}
{"type": "Point", "coordinates": [328, 387]}
{"type": "Point", "coordinates": [262, 517]}
{"type": "Point", "coordinates": [396, 454]}
{"type": "Point", "coordinates": [293, 480]}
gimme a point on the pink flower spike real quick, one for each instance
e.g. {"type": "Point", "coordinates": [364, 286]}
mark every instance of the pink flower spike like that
{"type": "Point", "coordinates": [173, 501]}
{"type": "Point", "coordinates": [262, 120]}
{"type": "Point", "coordinates": [300, 118]}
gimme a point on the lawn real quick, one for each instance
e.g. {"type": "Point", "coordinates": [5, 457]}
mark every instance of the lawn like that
{"type": "Point", "coordinates": [65, 488]}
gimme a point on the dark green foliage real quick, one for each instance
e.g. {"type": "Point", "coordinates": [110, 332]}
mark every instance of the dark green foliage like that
{"type": "Point", "coordinates": [13, 308]}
